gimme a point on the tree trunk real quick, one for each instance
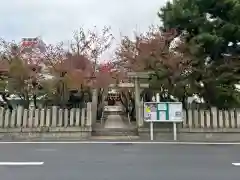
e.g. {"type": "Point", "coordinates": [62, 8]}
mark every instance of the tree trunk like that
{"type": "Point", "coordinates": [35, 100]}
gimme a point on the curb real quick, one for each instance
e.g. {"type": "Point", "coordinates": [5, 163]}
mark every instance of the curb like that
{"type": "Point", "coordinates": [114, 138]}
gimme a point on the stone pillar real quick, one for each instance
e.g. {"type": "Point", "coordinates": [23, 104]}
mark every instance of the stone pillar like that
{"type": "Point", "coordinates": [94, 105]}
{"type": "Point", "coordinates": [83, 117]}
{"type": "Point", "coordinates": [214, 112]}
{"type": "Point", "coordinates": [54, 116]}
{"type": "Point", "coordinates": [19, 116]}
{"type": "Point", "coordinates": [137, 100]}
{"type": "Point", "coordinates": [89, 115]}
{"type": "Point", "coordinates": [158, 97]}
{"type": "Point", "coordinates": [140, 120]}
{"type": "Point", "coordinates": [48, 118]}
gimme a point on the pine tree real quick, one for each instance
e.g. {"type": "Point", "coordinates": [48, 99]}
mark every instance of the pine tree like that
{"type": "Point", "coordinates": [213, 33]}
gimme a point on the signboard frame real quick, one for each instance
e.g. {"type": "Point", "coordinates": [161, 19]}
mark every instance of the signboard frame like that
{"type": "Point", "coordinates": [164, 110]}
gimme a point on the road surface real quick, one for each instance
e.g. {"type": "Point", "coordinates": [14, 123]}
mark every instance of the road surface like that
{"type": "Point", "coordinates": [119, 162]}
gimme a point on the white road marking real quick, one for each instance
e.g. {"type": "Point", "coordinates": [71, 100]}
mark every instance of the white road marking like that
{"type": "Point", "coordinates": [21, 163]}
{"type": "Point", "coordinates": [122, 142]}
{"type": "Point", "coordinates": [236, 164]}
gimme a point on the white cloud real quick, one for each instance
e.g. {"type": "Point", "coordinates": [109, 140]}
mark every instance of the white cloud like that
{"type": "Point", "coordinates": [55, 20]}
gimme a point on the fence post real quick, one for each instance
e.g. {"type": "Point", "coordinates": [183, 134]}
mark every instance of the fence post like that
{"type": "Point", "coordinates": [140, 116]}
{"type": "Point", "coordinates": [13, 118]}
{"type": "Point", "coordinates": [83, 116]}
{"type": "Point", "coordinates": [36, 118]}
{"type": "Point", "coordinates": [78, 116]}
{"type": "Point", "coordinates": [190, 118]}
{"type": "Point", "coordinates": [237, 111]}
{"type": "Point", "coordinates": [226, 119]}
{"type": "Point", "coordinates": [1, 117]}
{"type": "Point", "coordinates": [30, 118]}
{"type": "Point", "coordinates": [42, 117]}
{"type": "Point", "coordinates": [184, 118]}
{"type": "Point", "coordinates": [195, 118]}
{"type": "Point", "coordinates": [19, 116]}
{"type": "Point", "coordinates": [65, 117]}
{"type": "Point", "coordinates": [6, 118]}
{"type": "Point", "coordinates": [208, 119]}
{"type": "Point", "coordinates": [48, 118]}
{"type": "Point", "coordinates": [54, 116]}
{"type": "Point", "coordinates": [89, 114]}
{"type": "Point", "coordinates": [60, 117]}
{"type": "Point", "coordinates": [232, 117]}
{"type": "Point", "coordinates": [214, 117]}
{"type": "Point", "coordinates": [220, 119]}
{"type": "Point", "coordinates": [72, 111]}
{"type": "Point", "coordinates": [25, 118]}
{"type": "Point", "coordinates": [202, 119]}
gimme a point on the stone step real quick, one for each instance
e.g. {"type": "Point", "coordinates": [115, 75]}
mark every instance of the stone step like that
{"type": "Point", "coordinates": [115, 138]}
{"type": "Point", "coordinates": [105, 133]}
{"type": "Point", "coordinates": [114, 132]}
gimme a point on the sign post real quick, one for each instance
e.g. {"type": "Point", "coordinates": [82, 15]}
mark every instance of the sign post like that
{"type": "Point", "coordinates": [163, 112]}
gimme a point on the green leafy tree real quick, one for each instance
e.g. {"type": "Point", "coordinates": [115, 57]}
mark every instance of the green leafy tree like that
{"type": "Point", "coordinates": [212, 29]}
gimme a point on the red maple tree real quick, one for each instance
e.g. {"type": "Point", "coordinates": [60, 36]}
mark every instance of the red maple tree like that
{"type": "Point", "coordinates": [19, 75]}
{"type": "Point", "coordinates": [154, 52]}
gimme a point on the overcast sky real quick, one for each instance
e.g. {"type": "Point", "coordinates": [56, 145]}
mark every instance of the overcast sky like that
{"type": "Point", "coordinates": [55, 20]}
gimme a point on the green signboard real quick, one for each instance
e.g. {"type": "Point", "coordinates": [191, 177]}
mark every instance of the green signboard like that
{"type": "Point", "coordinates": [163, 111]}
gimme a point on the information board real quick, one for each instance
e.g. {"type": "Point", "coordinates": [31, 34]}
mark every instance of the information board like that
{"type": "Point", "coordinates": [163, 111]}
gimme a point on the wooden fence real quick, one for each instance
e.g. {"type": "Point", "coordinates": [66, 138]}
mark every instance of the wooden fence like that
{"type": "Point", "coordinates": [51, 117]}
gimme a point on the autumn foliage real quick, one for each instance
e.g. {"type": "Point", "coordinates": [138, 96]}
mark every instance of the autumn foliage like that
{"type": "Point", "coordinates": [149, 52]}
{"type": "Point", "coordinates": [56, 73]}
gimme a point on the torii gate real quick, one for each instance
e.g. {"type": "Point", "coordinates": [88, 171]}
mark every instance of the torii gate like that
{"type": "Point", "coordinates": [136, 76]}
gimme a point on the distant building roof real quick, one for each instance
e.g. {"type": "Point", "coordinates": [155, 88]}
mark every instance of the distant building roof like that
{"type": "Point", "coordinates": [27, 44]}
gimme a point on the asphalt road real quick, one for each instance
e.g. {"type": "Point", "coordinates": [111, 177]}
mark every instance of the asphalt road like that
{"type": "Point", "coordinates": [120, 162]}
